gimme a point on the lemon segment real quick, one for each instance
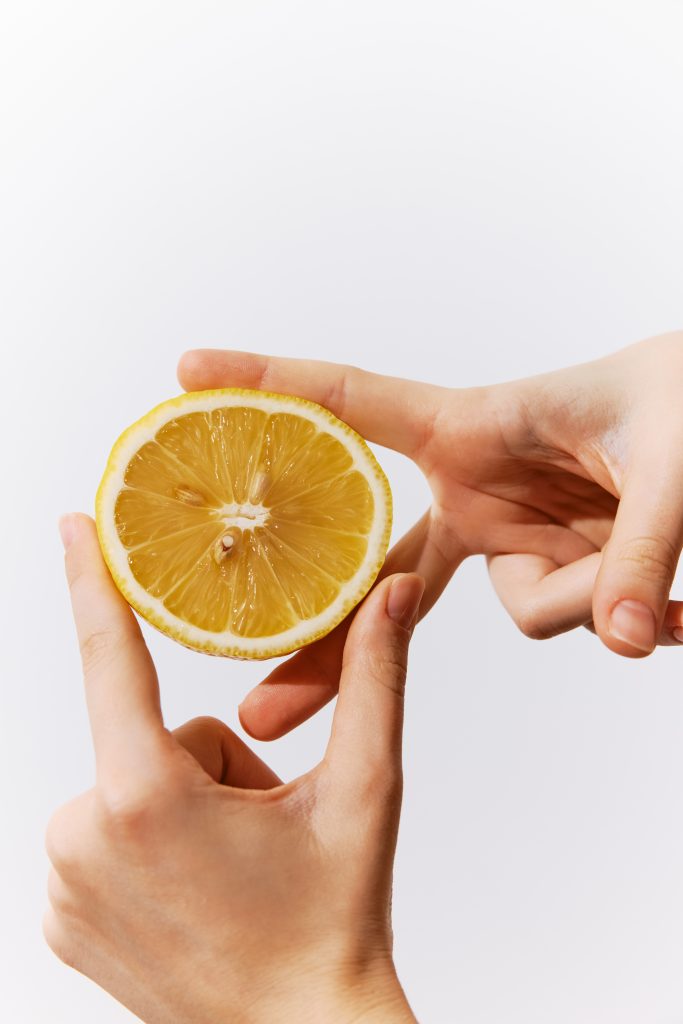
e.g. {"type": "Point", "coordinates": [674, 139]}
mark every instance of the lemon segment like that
{"type": "Point", "coordinates": [243, 523]}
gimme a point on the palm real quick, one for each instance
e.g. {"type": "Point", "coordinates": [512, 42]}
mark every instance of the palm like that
{"type": "Point", "coordinates": [529, 474]}
{"type": "Point", "coordinates": [540, 513]}
{"type": "Point", "coordinates": [496, 502]}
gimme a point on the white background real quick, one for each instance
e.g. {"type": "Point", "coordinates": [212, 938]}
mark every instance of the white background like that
{"type": "Point", "coordinates": [461, 192]}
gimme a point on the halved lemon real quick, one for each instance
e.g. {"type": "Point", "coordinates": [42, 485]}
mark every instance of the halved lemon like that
{"type": "Point", "coordinates": [243, 523]}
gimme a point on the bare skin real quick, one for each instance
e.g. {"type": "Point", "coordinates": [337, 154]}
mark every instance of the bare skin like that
{"type": "Point", "coordinates": [190, 882]}
{"type": "Point", "coordinates": [566, 482]}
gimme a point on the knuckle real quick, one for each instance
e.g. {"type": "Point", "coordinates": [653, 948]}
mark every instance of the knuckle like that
{"type": "Point", "coordinates": [60, 895]}
{"type": "Point", "coordinates": [531, 623]}
{"type": "Point", "coordinates": [69, 837]}
{"type": "Point", "coordinates": [387, 668]}
{"type": "Point", "coordinates": [59, 939]}
{"type": "Point", "coordinates": [652, 559]}
{"type": "Point", "coordinates": [59, 844]}
{"type": "Point", "coordinates": [435, 424]}
{"type": "Point", "coordinates": [127, 816]}
{"type": "Point", "coordinates": [262, 370]}
{"type": "Point", "coordinates": [204, 724]}
{"type": "Point", "coordinates": [337, 394]}
{"type": "Point", "coordinates": [97, 649]}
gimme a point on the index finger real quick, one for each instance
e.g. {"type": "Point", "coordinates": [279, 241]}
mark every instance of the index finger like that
{"type": "Point", "coordinates": [121, 687]}
{"type": "Point", "coordinates": [303, 684]}
{"type": "Point", "coordinates": [390, 411]}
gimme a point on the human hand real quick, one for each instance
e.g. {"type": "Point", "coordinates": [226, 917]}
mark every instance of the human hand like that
{"type": "Point", "coordinates": [567, 482]}
{"type": "Point", "coordinates": [191, 883]}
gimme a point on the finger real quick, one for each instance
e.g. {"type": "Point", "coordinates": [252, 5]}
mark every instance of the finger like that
{"type": "Point", "coordinates": [671, 633]}
{"type": "Point", "coordinates": [223, 755]}
{"type": "Point", "coordinates": [672, 630]}
{"type": "Point", "coordinates": [365, 743]}
{"type": "Point", "coordinates": [121, 686]}
{"type": "Point", "coordinates": [545, 600]}
{"type": "Point", "coordinates": [640, 559]}
{"type": "Point", "coordinates": [390, 411]}
{"type": "Point", "coordinates": [301, 686]}
{"type": "Point", "coordinates": [550, 540]}
{"type": "Point", "coordinates": [296, 689]}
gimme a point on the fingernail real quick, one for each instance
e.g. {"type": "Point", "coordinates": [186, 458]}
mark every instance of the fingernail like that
{"type": "Point", "coordinates": [404, 599]}
{"type": "Point", "coordinates": [634, 623]}
{"type": "Point", "coordinates": [678, 635]}
{"type": "Point", "coordinates": [67, 530]}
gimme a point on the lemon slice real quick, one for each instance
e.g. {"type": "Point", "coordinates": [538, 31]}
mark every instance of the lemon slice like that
{"type": "Point", "coordinates": [243, 523]}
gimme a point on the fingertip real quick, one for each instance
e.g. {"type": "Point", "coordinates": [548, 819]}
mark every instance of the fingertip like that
{"type": "Point", "coordinates": [270, 711]}
{"type": "Point", "coordinates": [73, 527]}
{"type": "Point", "coordinates": [202, 368]}
{"type": "Point", "coordinates": [384, 608]}
{"type": "Point", "coordinates": [192, 367]}
{"type": "Point", "coordinates": [263, 714]}
{"type": "Point", "coordinates": [627, 625]}
{"type": "Point", "coordinates": [671, 634]}
{"type": "Point", "coordinates": [244, 714]}
{"type": "Point", "coordinates": [85, 566]}
{"type": "Point", "coordinates": [633, 625]}
{"type": "Point", "coordinates": [68, 527]}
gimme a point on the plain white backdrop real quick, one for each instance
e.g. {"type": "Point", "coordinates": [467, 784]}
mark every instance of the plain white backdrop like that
{"type": "Point", "coordinates": [461, 192]}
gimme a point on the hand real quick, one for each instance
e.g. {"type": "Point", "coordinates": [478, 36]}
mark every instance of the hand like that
{"type": "Point", "coordinates": [191, 883]}
{"type": "Point", "coordinates": [530, 474]}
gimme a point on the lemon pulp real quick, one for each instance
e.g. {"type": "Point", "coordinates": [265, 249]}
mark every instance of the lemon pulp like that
{"type": "Point", "coordinates": [241, 521]}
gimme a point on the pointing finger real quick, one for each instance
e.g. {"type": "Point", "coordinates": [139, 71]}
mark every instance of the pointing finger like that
{"type": "Point", "coordinates": [365, 744]}
{"type": "Point", "coordinates": [390, 411]}
{"type": "Point", "coordinates": [121, 686]}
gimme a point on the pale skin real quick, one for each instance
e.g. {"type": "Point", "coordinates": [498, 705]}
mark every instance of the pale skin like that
{"type": "Point", "coordinates": [190, 882]}
{"type": "Point", "coordinates": [195, 886]}
{"type": "Point", "coordinates": [568, 483]}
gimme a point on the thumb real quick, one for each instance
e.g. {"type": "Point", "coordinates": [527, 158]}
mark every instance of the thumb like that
{"type": "Point", "coordinates": [638, 565]}
{"type": "Point", "coordinates": [365, 744]}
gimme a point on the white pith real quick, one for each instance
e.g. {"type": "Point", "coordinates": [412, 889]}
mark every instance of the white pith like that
{"type": "Point", "coordinates": [244, 516]}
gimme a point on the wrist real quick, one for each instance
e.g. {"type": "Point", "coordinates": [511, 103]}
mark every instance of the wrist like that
{"type": "Point", "coordinates": [380, 1000]}
{"type": "Point", "coordinates": [372, 996]}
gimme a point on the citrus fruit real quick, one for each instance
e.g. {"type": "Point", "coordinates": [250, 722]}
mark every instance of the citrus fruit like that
{"type": "Point", "coordinates": [243, 523]}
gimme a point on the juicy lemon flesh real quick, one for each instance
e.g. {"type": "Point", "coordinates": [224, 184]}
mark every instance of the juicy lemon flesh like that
{"type": "Point", "coordinates": [243, 521]}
